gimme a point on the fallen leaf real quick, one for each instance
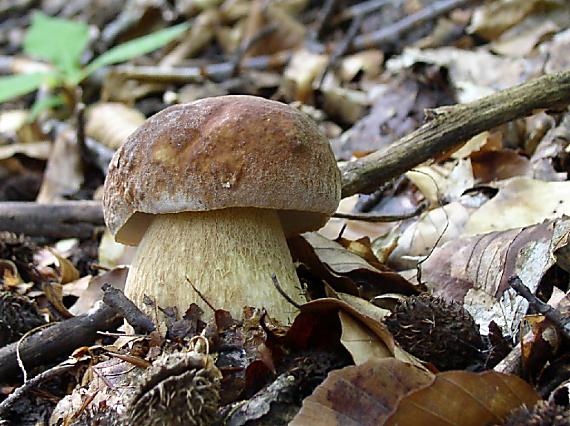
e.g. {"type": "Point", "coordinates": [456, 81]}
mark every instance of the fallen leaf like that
{"type": "Point", "coordinates": [363, 395]}
{"type": "Point", "coordinates": [464, 398]}
{"type": "Point", "coordinates": [521, 201]}
{"type": "Point", "coordinates": [343, 270]}
{"type": "Point", "coordinates": [390, 392]}
{"type": "Point", "coordinates": [365, 335]}
{"type": "Point", "coordinates": [475, 270]}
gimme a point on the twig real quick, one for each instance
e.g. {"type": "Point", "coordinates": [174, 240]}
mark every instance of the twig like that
{"type": "Point", "coordinates": [363, 8]}
{"type": "Point", "coordinates": [19, 343]}
{"type": "Point", "coordinates": [58, 340]}
{"type": "Point", "coordinates": [282, 292]}
{"type": "Point", "coordinates": [206, 301]}
{"type": "Point", "coordinates": [451, 127]}
{"type": "Point", "coordinates": [52, 373]}
{"type": "Point", "coordinates": [248, 44]}
{"type": "Point", "coordinates": [343, 46]}
{"type": "Point", "coordinates": [553, 314]}
{"type": "Point", "coordinates": [216, 72]}
{"type": "Point", "coordinates": [58, 220]}
{"type": "Point", "coordinates": [392, 32]}
{"type": "Point", "coordinates": [367, 217]}
{"type": "Point", "coordinates": [324, 16]}
{"type": "Point", "coordinates": [117, 300]}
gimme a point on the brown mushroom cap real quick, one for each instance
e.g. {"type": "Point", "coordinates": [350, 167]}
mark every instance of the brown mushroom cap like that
{"type": "Point", "coordinates": [221, 152]}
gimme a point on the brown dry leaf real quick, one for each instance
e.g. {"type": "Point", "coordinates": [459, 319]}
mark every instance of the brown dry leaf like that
{"type": "Point", "coordinates": [447, 181]}
{"type": "Point", "coordinates": [494, 18]}
{"type": "Point", "coordinates": [464, 398]}
{"type": "Point", "coordinates": [539, 344]}
{"type": "Point", "coordinates": [299, 75]}
{"type": "Point", "coordinates": [437, 226]}
{"type": "Point", "coordinates": [288, 33]}
{"type": "Point", "coordinates": [343, 270]}
{"type": "Point", "coordinates": [362, 344]}
{"type": "Point", "coordinates": [521, 40]}
{"type": "Point", "coordinates": [54, 294]}
{"type": "Point", "coordinates": [473, 74]}
{"type": "Point", "coordinates": [66, 270]}
{"type": "Point", "coordinates": [390, 392]}
{"type": "Point", "coordinates": [557, 52]}
{"type": "Point", "coordinates": [475, 270]}
{"type": "Point", "coordinates": [552, 147]}
{"type": "Point", "coordinates": [64, 174]}
{"type": "Point", "coordinates": [10, 277]}
{"type": "Point", "coordinates": [364, 334]}
{"type": "Point", "coordinates": [363, 395]}
{"type": "Point", "coordinates": [397, 109]}
{"type": "Point", "coordinates": [490, 166]}
{"type": "Point", "coordinates": [521, 201]}
{"type": "Point", "coordinates": [199, 36]}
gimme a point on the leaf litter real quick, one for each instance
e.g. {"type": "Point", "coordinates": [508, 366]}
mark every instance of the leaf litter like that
{"type": "Point", "coordinates": [497, 209]}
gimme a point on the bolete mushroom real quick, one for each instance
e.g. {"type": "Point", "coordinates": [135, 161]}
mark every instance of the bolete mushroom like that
{"type": "Point", "coordinates": [209, 191]}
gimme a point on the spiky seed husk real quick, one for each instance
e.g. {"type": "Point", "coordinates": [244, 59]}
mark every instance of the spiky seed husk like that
{"type": "Point", "coordinates": [542, 414]}
{"type": "Point", "coordinates": [18, 315]}
{"type": "Point", "coordinates": [436, 331]}
{"type": "Point", "coordinates": [178, 389]}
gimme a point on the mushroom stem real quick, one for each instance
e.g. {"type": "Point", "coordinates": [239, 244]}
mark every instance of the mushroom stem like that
{"type": "Point", "coordinates": [228, 255]}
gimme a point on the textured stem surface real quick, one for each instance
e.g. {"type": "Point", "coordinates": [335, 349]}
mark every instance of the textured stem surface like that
{"type": "Point", "coordinates": [228, 255]}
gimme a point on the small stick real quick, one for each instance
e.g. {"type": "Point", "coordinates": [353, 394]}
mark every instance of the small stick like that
{"type": "Point", "coordinates": [248, 44]}
{"type": "Point", "coordinates": [52, 373]}
{"type": "Point", "coordinates": [367, 217]}
{"type": "Point", "coordinates": [282, 292]}
{"type": "Point", "coordinates": [326, 13]}
{"type": "Point", "coordinates": [217, 72]}
{"type": "Point", "coordinates": [343, 46]}
{"type": "Point", "coordinates": [59, 340]}
{"type": "Point", "coordinates": [117, 300]}
{"type": "Point", "coordinates": [206, 301]}
{"type": "Point", "coordinates": [392, 32]}
{"type": "Point", "coordinates": [553, 314]}
{"type": "Point", "coordinates": [363, 8]}
{"type": "Point", "coordinates": [57, 220]}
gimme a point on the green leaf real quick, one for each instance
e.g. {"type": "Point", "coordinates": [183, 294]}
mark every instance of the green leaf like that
{"type": "Point", "coordinates": [58, 41]}
{"type": "Point", "coordinates": [43, 104]}
{"type": "Point", "coordinates": [136, 47]}
{"type": "Point", "coordinates": [17, 85]}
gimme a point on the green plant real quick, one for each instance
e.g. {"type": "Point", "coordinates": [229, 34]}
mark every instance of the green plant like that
{"type": "Point", "coordinates": [61, 43]}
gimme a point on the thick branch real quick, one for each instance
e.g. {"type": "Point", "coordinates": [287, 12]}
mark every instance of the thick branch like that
{"type": "Point", "coordinates": [58, 220]}
{"type": "Point", "coordinates": [59, 340]}
{"type": "Point", "coordinates": [452, 126]}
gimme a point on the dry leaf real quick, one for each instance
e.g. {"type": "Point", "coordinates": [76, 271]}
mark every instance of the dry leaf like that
{"type": "Point", "coordinates": [111, 123]}
{"type": "Point", "coordinates": [64, 174]}
{"type": "Point", "coordinates": [475, 270]}
{"type": "Point", "coordinates": [89, 291]}
{"type": "Point", "coordinates": [463, 398]}
{"type": "Point", "coordinates": [343, 270]}
{"type": "Point", "coordinates": [363, 395]}
{"type": "Point", "coordinates": [363, 321]}
{"type": "Point", "coordinates": [390, 392]}
{"type": "Point", "coordinates": [474, 74]}
{"type": "Point", "coordinates": [494, 18]}
{"type": "Point", "coordinates": [521, 201]}
{"type": "Point", "coordinates": [447, 182]}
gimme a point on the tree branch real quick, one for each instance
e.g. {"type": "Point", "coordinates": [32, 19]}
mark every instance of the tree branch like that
{"type": "Point", "coordinates": [450, 127]}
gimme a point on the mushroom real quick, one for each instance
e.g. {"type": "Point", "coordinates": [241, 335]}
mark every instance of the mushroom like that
{"type": "Point", "coordinates": [209, 191]}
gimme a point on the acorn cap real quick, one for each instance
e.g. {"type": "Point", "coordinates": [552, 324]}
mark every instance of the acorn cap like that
{"type": "Point", "coordinates": [221, 152]}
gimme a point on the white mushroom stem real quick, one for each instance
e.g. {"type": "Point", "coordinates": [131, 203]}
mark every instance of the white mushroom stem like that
{"type": "Point", "coordinates": [229, 255]}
